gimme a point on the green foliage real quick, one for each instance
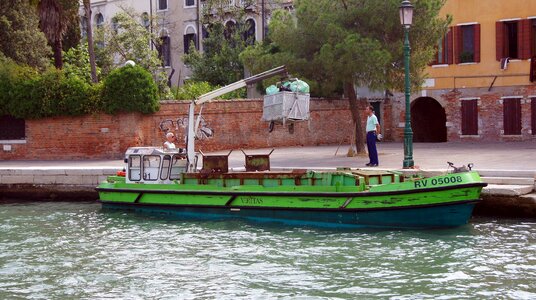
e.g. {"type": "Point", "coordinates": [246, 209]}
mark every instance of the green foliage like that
{"type": "Point", "coordinates": [76, 63]}
{"type": "Point", "coordinates": [50, 94]}
{"type": "Point", "coordinates": [125, 40]}
{"type": "Point", "coordinates": [192, 90]}
{"type": "Point", "coordinates": [20, 37]}
{"type": "Point", "coordinates": [128, 89]}
{"type": "Point", "coordinates": [11, 74]}
{"type": "Point", "coordinates": [219, 63]}
{"type": "Point", "coordinates": [29, 94]}
{"type": "Point", "coordinates": [330, 42]}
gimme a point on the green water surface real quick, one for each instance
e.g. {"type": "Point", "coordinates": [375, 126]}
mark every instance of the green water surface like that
{"type": "Point", "coordinates": [77, 251]}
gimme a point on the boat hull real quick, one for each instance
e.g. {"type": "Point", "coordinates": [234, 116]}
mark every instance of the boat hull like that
{"type": "Point", "coordinates": [435, 202]}
{"type": "Point", "coordinates": [435, 216]}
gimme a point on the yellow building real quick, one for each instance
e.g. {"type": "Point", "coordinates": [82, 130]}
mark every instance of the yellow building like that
{"type": "Point", "coordinates": [479, 86]}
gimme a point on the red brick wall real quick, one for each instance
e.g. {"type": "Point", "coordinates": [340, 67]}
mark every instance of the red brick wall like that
{"type": "Point", "coordinates": [237, 124]}
{"type": "Point", "coordinates": [490, 112]}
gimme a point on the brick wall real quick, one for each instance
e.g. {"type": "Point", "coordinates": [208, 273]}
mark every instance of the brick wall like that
{"type": "Point", "coordinates": [237, 124]}
{"type": "Point", "coordinates": [490, 112]}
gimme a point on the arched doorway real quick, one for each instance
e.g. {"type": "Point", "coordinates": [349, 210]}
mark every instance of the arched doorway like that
{"type": "Point", "coordinates": [428, 120]}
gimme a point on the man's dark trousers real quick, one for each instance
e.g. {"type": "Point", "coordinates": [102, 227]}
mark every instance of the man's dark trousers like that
{"type": "Point", "coordinates": [371, 146]}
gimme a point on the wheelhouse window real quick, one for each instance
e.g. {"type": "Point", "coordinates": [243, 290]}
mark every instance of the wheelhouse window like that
{"type": "Point", "coordinates": [12, 128]}
{"type": "Point", "coordinates": [164, 172]}
{"type": "Point", "coordinates": [151, 166]}
{"type": "Point", "coordinates": [470, 117]}
{"type": "Point", "coordinates": [134, 168]}
{"type": "Point", "coordinates": [512, 116]}
{"type": "Point", "coordinates": [178, 166]}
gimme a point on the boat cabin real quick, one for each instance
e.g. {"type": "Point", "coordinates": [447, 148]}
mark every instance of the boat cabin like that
{"type": "Point", "coordinates": [154, 164]}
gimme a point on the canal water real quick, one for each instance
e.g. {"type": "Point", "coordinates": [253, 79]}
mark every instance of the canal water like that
{"type": "Point", "coordinates": [78, 251]}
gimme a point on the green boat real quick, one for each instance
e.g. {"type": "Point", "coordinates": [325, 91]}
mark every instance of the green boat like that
{"type": "Point", "coordinates": [169, 182]}
{"type": "Point", "coordinates": [156, 181]}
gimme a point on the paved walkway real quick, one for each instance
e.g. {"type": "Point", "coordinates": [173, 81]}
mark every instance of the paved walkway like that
{"type": "Point", "coordinates": [495, 159]}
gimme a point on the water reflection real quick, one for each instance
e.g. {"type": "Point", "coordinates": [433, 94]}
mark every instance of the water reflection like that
{"type": "Point", "coordinates": [56, 250]}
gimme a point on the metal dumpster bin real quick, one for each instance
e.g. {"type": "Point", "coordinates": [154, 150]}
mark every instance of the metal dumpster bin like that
{"type": "Point", "coordinates": [283, 107]}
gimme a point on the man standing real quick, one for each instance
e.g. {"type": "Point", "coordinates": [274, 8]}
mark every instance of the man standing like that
{"type": "Point", "coordinates": [373, 130]}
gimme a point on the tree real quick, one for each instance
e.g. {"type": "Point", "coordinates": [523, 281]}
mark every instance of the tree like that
{"type": "Point", "coordinates": [90, 46]}
{"type": "Point", "coordinates": [336, 44]}
{"type": "Point", "coordinates": [20, 37]}
{"type": "Point", "coordinates": [54, 18]}
{"type": "Point", "coordinates": [127, 39]}
{"type": "Point", "coordinates": [219, 63]}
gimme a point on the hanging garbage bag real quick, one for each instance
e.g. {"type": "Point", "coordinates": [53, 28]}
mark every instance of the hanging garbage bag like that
{"type": "Point", "coordinates": [299, 86]}
{"type": "Point", "coordinates": [271, 90]}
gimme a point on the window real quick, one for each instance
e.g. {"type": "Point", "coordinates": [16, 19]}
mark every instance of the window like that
{"type": "Point", "coordinates": [178, 166]}
{"type": "Point", "coordinates": [189, 39]}
{"type": "Point", "coordinates": [189, 3]}
{"type": "Point", "coordinates": [164, 52]}
{"type": "Point", "coordinates": [533, 115]}
{"type": "Point", "coordinates": [514, 39]}
{"type": "Point", "coordinates": [467, 43]}
{"type": "Point", "coordinates": [99, 20]}
{"type": "Point", "coordinates": [115, 24]}
{"type": "Point", "coordinates": [162, 4]}
{"type": "Point", "coordinates": [532, 37]}
{"type": "Point", "coordinates": [512, 116]}
{"type": "Point", "coordinates": [444, 50]}
{"type": "Point", "coordinates": [230, 28]}
{"type": "Point", "coordinates": [12, 128]}
{"type": "Point", "coordinates": [166, 162]}
{"type": "Point", "coordinates": [83, 22]}
{"type": "Point", "coordinates": [145, 20]}
{"type": "Point", "coordinates": [151, 166]}
{"type": "Point", "coordinates": [134, 167]}
{"type": "Point", "coordinates": [249, 32]}
{"type": "Point", "coordinates": [470, 117]}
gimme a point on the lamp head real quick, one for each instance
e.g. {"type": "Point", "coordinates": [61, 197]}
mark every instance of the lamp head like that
{"type": "Point", "coordinates": [406, 13]}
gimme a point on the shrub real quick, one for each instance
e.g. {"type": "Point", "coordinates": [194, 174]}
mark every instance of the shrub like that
{"type": "Point", "coordinates": [11, 74]}
{"type": "Point", "coordinates": [49, 94]}
{"type": "Point", "coordinates": [128, 89]}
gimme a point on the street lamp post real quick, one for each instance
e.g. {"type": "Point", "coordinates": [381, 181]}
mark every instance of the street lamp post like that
{"type": "Point", "coordinates": [406, 16]}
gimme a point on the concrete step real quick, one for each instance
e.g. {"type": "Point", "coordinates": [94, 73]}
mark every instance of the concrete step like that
{"type": "Point", "coordinates": [531, 197]}
{"type": "Point", "coordinates": [507, 189]}
{"type": "Point", "coordinates": [509, 180]}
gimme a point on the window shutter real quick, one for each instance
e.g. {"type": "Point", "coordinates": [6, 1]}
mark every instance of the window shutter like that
{"type": "Point", "coordinates": [458, 39]}
{"type": "Point", "coordinates": [469, 117]}
{"type": "Point", "coordinates": [523, 38]}
{"type": "Point", "coordinates": [499, 40]}
{"type": "Point", "coordinates": [450, 46]}
{"type": "Point", "coordinates": [533, 115]}
{"type": "Point", "coordinates": [476, 33]}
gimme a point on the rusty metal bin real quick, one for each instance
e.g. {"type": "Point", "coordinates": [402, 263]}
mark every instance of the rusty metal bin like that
{"type": "Point", "coordinates": [216, 164]}
{"type": "Point", "coordinates": [257, 162]}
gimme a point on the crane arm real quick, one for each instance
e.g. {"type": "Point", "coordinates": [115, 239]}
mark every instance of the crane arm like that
{"type": "Point", "coordinates": [239, 84]}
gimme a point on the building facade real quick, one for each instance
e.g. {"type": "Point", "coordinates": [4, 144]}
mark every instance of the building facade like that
{"type": "Point", "coordinates": [179, 24]}
{"type": "Point", "coordinates": [480, 86]}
